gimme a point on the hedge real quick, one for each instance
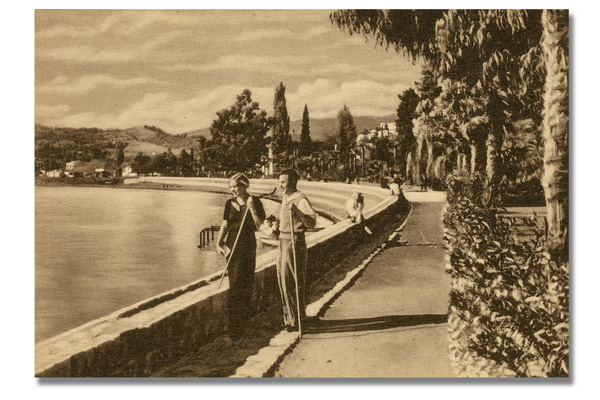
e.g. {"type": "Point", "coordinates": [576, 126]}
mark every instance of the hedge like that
{"type": "Point", "coordinates": [509, 302]}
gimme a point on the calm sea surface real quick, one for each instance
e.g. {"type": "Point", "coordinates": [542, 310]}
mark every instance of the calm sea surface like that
{"type": "Point", "coordinates": [101, 249]}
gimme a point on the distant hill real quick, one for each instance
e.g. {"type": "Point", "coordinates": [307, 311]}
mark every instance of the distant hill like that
{"type": "Point", "coordinates": [63, 144]}
{"type": "Point", "coordinates": [150, 139]}
{"type": "Point", "coordinates": [321, 129]}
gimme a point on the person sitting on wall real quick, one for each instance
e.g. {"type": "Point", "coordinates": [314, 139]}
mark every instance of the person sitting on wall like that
{"type": "Point", "coordinates": [268, 234]}
{"type": "Point", "coordinates": [354, 208]}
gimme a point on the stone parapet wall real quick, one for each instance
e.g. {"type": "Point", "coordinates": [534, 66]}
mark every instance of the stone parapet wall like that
{"type": "Point", "coordinates": [145, 337]}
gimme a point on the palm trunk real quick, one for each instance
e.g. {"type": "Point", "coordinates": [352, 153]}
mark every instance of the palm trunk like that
{"type": "Point", "coordinates": [478, 157]}
{"type": "Point", "coordinates": [417, 160]}
{"type": "Point", "coordinates": [555, 44]}
{"type": "Point", "coordinates": [430, 161]}
{"type": "Point", "coordinates": [494, 144]}
{"type": "Point", "coordinates": [409, 167]}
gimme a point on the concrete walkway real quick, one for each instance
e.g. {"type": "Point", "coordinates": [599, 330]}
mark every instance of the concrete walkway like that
{"type": "Point", "coordinates": [392, 321]}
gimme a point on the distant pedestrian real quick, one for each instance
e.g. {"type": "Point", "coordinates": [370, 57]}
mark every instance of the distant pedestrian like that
{"type": "Point", "coordinates": [237, 241]}
{"type": "Point", "coordinates": [296, 215]}
{"type": "Point", "coordinates": [383, 181]}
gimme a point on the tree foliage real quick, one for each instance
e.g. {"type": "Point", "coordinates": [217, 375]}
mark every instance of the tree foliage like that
{"type": "Point", "coordinates": [305, 140]}
{"type": "Point", "coordinates": [239, 140]}
{"type": "Point", "coordinates": [282, 140]}
{"type": "Point", "coordinates": [406, 113]}
{"type": "Point", "coordinates": [346, 132]}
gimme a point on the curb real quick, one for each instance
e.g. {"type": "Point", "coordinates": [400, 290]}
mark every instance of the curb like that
{"type": "Point", "coordinates": [266, 361]}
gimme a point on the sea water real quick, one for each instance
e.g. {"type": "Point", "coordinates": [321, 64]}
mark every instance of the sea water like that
{"type": "Point", "coordinates": [99, 249]}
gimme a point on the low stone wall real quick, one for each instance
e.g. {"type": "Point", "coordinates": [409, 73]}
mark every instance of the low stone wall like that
{"type": "Point", "coordinates": [145, 337]}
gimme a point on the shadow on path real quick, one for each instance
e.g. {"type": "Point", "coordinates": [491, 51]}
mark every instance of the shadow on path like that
{"type": "Point", "coordinates": [375, 323]}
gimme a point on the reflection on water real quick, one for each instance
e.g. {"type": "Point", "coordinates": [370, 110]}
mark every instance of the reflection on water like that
{"type": "Point", "coordinates": [101, 249]}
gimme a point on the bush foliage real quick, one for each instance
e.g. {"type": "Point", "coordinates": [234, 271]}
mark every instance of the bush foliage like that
{"type": "Point", "coordinates": [509, 302]}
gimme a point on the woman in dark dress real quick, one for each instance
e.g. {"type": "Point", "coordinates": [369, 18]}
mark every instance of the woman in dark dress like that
{"type": "Point", "coordinates": [243, 256]}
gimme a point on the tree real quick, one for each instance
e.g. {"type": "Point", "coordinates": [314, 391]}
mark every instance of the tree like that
{"type": "Point", "coordinates": [555, 45]}
{"type": "Point", "coordinates": [282, 140]}
{"type": "Point", "coordinates": [305, 141]}
{"type": "Point", "coordinates": [185, 163]}
{"type": "Point", "coordinates": [480, 46]}
{"type": "Point", "coordinates": [120, 154]}
{"type": "Point", "coordinates": [238, 137]}
{"type": "Point", "coordinates": [405, 139]}
{"type": "Point", "coordinates": [141, 163]}
{"type": "Point", "coordinates": [346, 133]}
{"type": "Point", "coordinates": [426, 125]}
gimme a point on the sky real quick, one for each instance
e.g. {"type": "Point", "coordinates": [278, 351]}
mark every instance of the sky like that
{"type": "Point", "coordinates": [176, 69]}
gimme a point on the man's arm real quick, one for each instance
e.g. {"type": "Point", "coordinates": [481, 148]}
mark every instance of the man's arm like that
{"type": "Point", "coordinates": [257, 211]}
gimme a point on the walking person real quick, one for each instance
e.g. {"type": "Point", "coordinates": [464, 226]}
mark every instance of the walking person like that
{"type": "Point", "coordinates": [242, 216]}
{"type": "Point", "coordinates": [295, 216]}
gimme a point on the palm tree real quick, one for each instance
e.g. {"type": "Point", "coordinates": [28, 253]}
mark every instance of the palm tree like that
{"type": "Point", "coordinates": [555, 129]}
{"type": "Point", "coordinates": [487, 47]}
{"type": "Point", "coordinates": [480, 46]}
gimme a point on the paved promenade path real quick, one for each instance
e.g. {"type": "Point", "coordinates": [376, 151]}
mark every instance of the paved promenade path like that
{"type": "Point", "coordinates": [392, 321]}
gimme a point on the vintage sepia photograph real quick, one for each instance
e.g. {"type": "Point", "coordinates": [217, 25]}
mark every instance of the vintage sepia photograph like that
{"type": "Point", "coordinates": [302, 193]}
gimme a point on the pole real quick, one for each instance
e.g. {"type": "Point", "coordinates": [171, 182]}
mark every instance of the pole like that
{"type": "Point", "coordinates": [296, 275]}
{"type": "Point", "coordinates": [234, 244]}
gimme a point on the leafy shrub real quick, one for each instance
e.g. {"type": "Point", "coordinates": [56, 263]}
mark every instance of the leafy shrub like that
{"type": "Point", "coordinates": [509, 304]}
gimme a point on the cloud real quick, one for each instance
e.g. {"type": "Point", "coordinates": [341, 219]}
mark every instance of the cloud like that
{"type": "Point", "coordinates": [325, 98]}
{"type": "Point", "coordinates": [262, 34]}
{"type": "Point", "coordinates": [317, 31]}
{"type": "Point", "coordinates": [62, 85]}
{"type": "Point", "coordinates": [48, 112]}
{"type": "Point", "coordinates": [111, 51]}
{"type": "Point", "coordinates": [238, 63]}
{"type": "Point", "coordinates": [173, 113]}
{"type": "Point", "coordinates": [178, 114]}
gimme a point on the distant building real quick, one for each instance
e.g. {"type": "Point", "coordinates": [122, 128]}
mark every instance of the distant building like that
{"type": "Point", "coordinates": [385, 129]}
{"type": "Point", "coordinates": [70, 166]}
{"type": "Point", "coordinates": [56, 173]}
{"type": "Point", "coordinates": [103, 173]}
{"type": "Point", "coordinates": [127, 172]}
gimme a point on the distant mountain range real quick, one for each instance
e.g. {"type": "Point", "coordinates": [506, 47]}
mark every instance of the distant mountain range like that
{"type": "Point", "coordinates": [321, 129]}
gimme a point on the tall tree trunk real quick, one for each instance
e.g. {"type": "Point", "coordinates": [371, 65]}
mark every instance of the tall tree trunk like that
{"type": "Point", "coordinates": [473, 159]}
{"type": "Point", "coordinates": [409, 168]}
{"type": "Point", "coordinates": [463, 161]}
{"type": "Point", "coordinates": [430, 161]}
{"type": "Point", "coordinates": [417, 160]}
{"type": "Point", "coordinates": [494, 144]}
{"type": "Point", "coordinates": [555, 129]}
{"type": "Point", "coordinates": [478, 157]}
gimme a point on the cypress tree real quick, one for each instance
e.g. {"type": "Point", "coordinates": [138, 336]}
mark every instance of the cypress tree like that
{"type": "Point", "coordinates": [305, 141]}
{"type": "Point", "coordinates": [282, 140]}
{"type": "Point", "coordinates": [346, 133]}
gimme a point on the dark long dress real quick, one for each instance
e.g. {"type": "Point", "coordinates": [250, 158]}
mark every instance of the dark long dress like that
{"type": "Point", "coordinates": [243, 262]}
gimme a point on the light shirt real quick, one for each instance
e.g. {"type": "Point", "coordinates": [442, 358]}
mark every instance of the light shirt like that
{"type": "Point", "coordinates": [300, 200]}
